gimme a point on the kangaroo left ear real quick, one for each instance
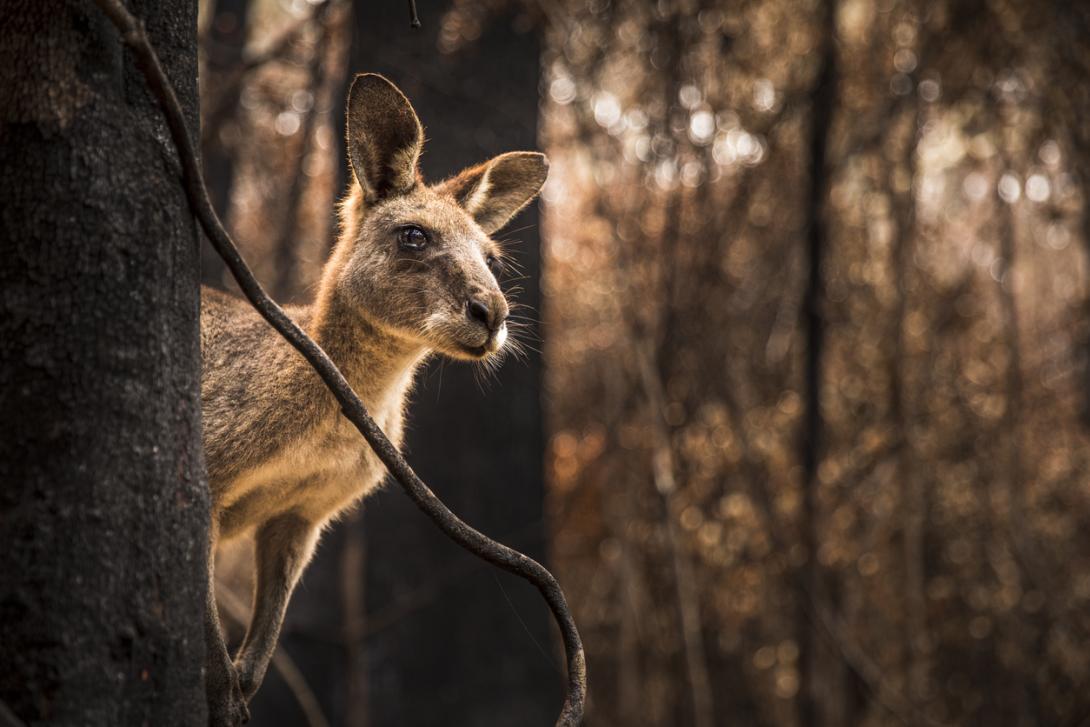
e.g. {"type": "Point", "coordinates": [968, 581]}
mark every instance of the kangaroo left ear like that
{"type": "Point", "coordinates": [384, 137]}
{"type": "Point", "coordinates": [494, 191]}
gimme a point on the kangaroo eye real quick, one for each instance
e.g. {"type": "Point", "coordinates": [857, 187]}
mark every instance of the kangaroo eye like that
{"type": "Point", "coordinates": [412, 238]}
{"type": "Point", "coordinates": [495, 265]}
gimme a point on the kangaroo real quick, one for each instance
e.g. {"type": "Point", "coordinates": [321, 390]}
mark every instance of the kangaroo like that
{"type": "Point", "coordinates": [414, 272]}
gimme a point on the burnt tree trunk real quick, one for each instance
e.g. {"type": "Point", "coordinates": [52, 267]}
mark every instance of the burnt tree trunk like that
{"type": "Point", "coordinates": [103, 508]}
{"type": "Point", "coordinates": [479, 445]}
{"type": "Point", "coordinates": [822, 103]}
{"type": "Point", "coordinates": [445, 639]}
{"type": "Point", "coordinates": [223, 51]}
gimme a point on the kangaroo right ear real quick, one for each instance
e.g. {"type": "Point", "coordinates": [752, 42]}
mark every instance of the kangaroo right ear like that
{"type": "Point", "coordinates": [495, 191]}
{"type": "Point", "coordinates": [384, 137]}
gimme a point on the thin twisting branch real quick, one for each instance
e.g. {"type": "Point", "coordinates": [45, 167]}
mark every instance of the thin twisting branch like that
{"type": "Point", "coordinates": [132, 31]}
{"type": "Point", "coordinates": [8, 718]}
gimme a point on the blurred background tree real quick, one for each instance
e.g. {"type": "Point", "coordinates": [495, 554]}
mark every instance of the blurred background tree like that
{"type": "Point", "coordinates": [806, 441]}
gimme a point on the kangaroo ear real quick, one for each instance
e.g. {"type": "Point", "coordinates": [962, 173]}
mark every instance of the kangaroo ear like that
{"type": "Point", "coordinates": [494, 191]}
{"type": "Point", "coordinates": [384, 137]}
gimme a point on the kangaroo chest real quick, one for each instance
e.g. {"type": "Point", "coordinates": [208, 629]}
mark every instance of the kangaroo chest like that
{"type": "Point", "coordinates": [345, 467]}
{"type": "Point", "coordinates": [318, 475]}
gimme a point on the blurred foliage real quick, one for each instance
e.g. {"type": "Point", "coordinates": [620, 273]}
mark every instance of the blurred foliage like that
{"type": "Point", "coordinates": [284, 179]}
{"type": "Point", "coordinates": [952, 481]}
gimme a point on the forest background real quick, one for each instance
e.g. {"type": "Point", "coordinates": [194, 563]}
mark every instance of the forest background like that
{"type": "Point", "coordinates": [803, 424]}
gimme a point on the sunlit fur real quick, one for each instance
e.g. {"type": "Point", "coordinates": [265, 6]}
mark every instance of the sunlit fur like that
{"type": "Point", "coordinates": [282, 462]}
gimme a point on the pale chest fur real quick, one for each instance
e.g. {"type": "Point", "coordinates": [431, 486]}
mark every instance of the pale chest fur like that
{"type": "Point", "coordinates": [325, 471]}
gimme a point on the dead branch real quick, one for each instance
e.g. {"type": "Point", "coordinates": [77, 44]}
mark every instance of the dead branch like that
{"type": "Point", "coordinates": [132, 32]}
{"type": "Point", "coordinates": [8, 718]}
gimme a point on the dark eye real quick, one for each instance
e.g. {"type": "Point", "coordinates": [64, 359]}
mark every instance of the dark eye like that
{"type": "Point", "coordinates": [412, 238]}
{"type": "Point", "coordinates": [495, 265]}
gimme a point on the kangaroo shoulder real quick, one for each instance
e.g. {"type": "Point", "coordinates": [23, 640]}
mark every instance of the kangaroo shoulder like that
{"type": "Point", "coordinates": [231, 324]}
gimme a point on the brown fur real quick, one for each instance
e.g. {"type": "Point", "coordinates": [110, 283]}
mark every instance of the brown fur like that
{"type": "Point", "coordinates": [282, 462]}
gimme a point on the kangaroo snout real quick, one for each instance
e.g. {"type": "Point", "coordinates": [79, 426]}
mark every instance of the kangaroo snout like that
{"type": "Point", "coordinates": [488, 309]}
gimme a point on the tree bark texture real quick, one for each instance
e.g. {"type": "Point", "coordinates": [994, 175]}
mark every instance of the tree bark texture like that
{"type": "Point", "coordinates": [103, 507]}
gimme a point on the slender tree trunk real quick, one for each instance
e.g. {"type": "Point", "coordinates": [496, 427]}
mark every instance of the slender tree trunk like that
{"type": "Point", "coordinates": [478, 443]}
{"type": "Point", "coordinates": [1010, 509]}
{"type": "Point", "coordinates": [353, 565]}
{"type": "Point", "coordinates": [225, 44]}
{"type": "Point", "coordinates": [1068, 106]}
{"type": "Point", "coordinates": [653, 362]}
{"type": "Point", "coordinates": [103, 508]}
{"type": "Point", "coordinates": [822, 103]}
{"type": "Point", "coordinates": [1010, 505]}
{"type": "Point", "coordinates": [286, 247]}
{"type": "Point", "coordinates": [685, 586]}
{"type": "Point", "coordinates": [629, 695]}
{"type": "Point", "coordinates": [913, 499]}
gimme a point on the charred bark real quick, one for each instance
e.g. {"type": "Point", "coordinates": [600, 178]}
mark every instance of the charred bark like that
{"type": "Point", "coordinates": [470, 440]}
{"type": "Point", "coordinates": [103, 512]}
{"type": "Point", "coordinates": [443, 639]}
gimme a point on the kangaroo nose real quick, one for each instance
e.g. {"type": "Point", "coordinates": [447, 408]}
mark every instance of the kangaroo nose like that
{"type": "Point", "coordinates": [492, 313]}
{"type": "Point", "coordinates": [478, 311]}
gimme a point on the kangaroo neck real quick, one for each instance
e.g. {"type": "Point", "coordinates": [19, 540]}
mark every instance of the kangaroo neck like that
{"type": "Point", "coordinates": [375, 361]}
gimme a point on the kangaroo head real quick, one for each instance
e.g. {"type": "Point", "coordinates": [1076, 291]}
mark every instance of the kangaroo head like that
{"type": "Point", "coordinates": [418, 259]}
